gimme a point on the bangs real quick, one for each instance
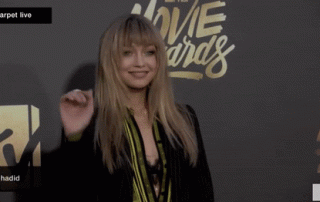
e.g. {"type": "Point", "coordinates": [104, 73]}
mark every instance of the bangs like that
{"type": "Point", "coordinates": [136, 30]}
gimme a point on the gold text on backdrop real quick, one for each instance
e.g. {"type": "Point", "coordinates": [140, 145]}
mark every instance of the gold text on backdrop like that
{"type": "Point", "coordinates": [180, 49]}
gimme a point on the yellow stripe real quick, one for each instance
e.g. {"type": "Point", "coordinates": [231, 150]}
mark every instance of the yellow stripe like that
{"type": "Point", "coordinates": [133, 153]}
{"type": "Point", "coordinates": [164, 161]}
{"type": "Point", "coordinates": [136, 194]}
{"type": "Point", "coordinates": [135, 165]}
{"type": "Point", "coordinates": [162, 156]}
{"type": "Point", "coordinates": [142, 189]}
{"type": "Point", "coordinates": [136, 170]}
{"type": "Point", "coordinates": [169, 191]}
{"type": "Point", "coordinates": [143, 173]}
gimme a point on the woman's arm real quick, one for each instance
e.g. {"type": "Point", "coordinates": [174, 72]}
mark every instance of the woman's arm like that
{"type": "Point", "coordinates": [201, 173]}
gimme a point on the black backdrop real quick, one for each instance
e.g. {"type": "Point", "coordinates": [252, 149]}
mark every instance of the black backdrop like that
{"type": "Point", "coordinates": [259, 118]}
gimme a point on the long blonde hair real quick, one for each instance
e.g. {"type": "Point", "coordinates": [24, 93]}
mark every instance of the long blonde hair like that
{"type": "Point", "coordinates": [110, 93]}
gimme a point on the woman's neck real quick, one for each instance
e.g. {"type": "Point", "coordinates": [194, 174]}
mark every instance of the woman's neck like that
{"type": "Point", "coordinates": [137, 100]}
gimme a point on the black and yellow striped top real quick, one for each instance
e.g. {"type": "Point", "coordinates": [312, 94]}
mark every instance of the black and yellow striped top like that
{"type": "Point", "coordinates": [143, 190]}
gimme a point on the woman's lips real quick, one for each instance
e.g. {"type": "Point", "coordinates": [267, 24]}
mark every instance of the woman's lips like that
{"type": "Point", "coordinates": [139, 74]}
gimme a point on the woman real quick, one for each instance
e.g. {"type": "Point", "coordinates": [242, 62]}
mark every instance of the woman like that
{"type": "Point", "coordinates": [130, 141]}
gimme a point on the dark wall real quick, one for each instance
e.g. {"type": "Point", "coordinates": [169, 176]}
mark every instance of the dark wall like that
{"type": "Point", "coordinates": [259, 115]}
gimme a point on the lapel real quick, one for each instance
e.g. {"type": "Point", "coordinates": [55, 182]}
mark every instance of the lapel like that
{"type": "Point", "coordinates": [176, 163]}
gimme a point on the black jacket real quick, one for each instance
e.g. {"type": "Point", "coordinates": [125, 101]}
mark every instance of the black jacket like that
{"type": "Point", "coordinates": [82, 176]}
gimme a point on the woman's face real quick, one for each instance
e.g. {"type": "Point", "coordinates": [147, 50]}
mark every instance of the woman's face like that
{"type": "Point", "coordinates": [138, 65]}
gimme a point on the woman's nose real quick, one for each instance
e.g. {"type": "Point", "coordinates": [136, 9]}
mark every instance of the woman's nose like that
{"type": "Point", "coordinates": [139, 60]}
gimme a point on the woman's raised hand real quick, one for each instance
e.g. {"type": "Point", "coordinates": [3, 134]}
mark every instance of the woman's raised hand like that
{"type": "Point", "coordinates": [76, 109]}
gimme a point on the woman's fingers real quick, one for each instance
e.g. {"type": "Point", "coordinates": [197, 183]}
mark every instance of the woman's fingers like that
{"type": "Point", "coordinates": [77, 96]}
{"type": "Point", "coordinates": [88, 95]}
{"type": "Point", "coordinates": [76, 108]}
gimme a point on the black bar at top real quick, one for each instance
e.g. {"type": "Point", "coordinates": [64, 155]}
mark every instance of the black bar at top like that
{"type": "Point", "coordinates": [25, 15]}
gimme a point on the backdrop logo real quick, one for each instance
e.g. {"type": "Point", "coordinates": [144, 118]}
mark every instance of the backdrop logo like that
{"type": "Point", "coordinates": [197, 24]}
{"type": "Point", "coordinates": [18, 124]}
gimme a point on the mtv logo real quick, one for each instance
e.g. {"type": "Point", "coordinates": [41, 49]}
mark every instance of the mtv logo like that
{"type": "Point", "coordinates": [17, 125]}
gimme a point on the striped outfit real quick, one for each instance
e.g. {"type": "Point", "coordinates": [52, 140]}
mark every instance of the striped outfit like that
{"type": "Point", "coordinates": [82, 176]}
{"type": "Point", "coordinates": [142, 187]}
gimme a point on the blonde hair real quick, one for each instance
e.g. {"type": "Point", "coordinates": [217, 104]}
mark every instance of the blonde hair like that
{"type": "Point", "coordinates": [110, 93]}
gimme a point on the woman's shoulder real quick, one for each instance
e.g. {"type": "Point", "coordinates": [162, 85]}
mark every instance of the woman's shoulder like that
{"type": "Point", "coordinates": [186, 109]}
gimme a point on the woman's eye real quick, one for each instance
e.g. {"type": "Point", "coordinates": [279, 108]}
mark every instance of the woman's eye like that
{"type": "Point", "coordinates": [150, 52]}
{"type": "Point", "coordinates": [126, 53]}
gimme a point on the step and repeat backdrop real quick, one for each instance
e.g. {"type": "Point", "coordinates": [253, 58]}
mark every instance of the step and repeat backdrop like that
{"type": "Point", "coordinates": [250, 69]}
